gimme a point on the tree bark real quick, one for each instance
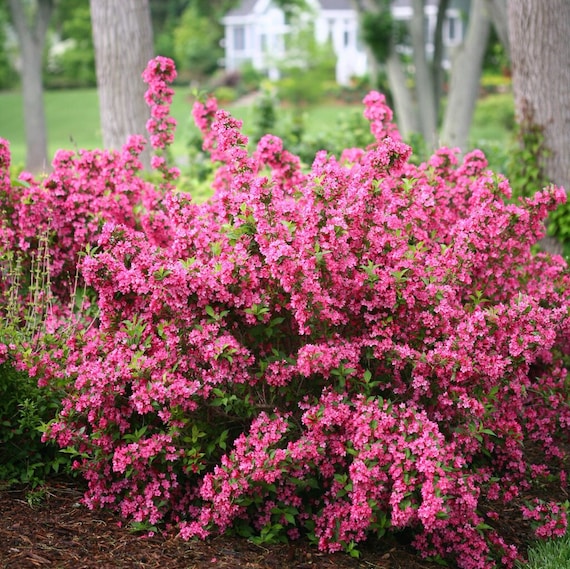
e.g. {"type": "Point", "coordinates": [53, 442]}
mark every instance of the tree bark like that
{"type": "Point", "coordinates": [497, 10]}
{"type": "Point", "coordinates": [438, 52]}
{"type": "Point", "coordinates": [31, 31]}
{"type": "Point", "coordinates": [424, 78]}
{"type": "Point", "coordinates": [540, 57]}
{"type": "Point", "coordinates": [465, 79]}
{"type": "Point", "coordinates": [405, 109]}
{"type": "Point", "coordinates": [122, 36]}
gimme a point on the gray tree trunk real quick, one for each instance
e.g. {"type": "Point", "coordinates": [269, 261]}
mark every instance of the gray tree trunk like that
{"type": "Point", "coordinates": [540, 57]}
{"type": "Point", "coordinates": [405, 109]}
{"type": "Point", "coordinates": [424, 78]}
{"type": "Point", "coordinates": [465, 78]}
{"type": "Point", "coordinates": [497, 10]}
{"type": "Point", "coordinates": [31, 23]}
{"type": "Point", "coordinates": [438, 52]}
{"type": "Point", "coordinates": [122, 35]}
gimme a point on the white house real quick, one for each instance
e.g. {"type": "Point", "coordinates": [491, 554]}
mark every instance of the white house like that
{"type": "Point", "coordinates": [255, 32]}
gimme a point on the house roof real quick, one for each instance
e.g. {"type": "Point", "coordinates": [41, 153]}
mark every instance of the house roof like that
{"type": "Point", "coordinates": [243, 8]}
{"type": "Point", "coordinates": [246, 7]}
{"type": "Point", "coordinates": [407, 3]}
{"type": "Point", "coordinates": [336, 4]}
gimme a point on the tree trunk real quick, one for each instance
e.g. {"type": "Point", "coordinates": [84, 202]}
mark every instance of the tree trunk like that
{"type": "Point", "coordinates": [31, 32]}
{"type": "Point", "coordinates": [404, 107]}
{"type": "Point", "coordinates": [438, 53]}
{"type": "Point", "coordinates": [122, 36]}
{"type": "Point", "coordinates": [424, 78]}
{"type": "Point", "coordinates": [540, 56]}
{"type": "Point", "coordinates": [497, 10]}
{"type": "Point", "coordinates": [465, 79]}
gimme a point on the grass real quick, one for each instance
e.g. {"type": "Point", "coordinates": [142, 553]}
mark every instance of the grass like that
{"type": "Point", "coordinates": [553, 554]}
{"type": "Point", "coordinates": [72, 118]}
{"type": "Point", "coordinates": [73, 121]}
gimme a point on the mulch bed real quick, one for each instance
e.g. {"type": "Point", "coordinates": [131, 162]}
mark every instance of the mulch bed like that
{"type": "Point", "coordinates": [59, 533]}
{"type": "Point", "coordinates": [56, 531]}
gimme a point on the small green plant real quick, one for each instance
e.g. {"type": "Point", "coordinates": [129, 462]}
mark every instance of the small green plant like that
{"type": "Point", "coordinates": [36, 497]}
{"type": "Point", "coordinates": [265, 113]}
{"type": "Point", "coordinates": [525, 171]}
{"type": "Point", "coordinates": [525, 168]}
{"type": "Point", "coordinates": [552, 554]}
{"type": "Point", "coordinates": [24, 407]}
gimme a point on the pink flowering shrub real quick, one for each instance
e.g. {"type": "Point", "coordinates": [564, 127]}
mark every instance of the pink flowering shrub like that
{"type": "Point", "coordinates": [88, 189]}
{"type": "Point", "coordinates": [549, 520]}
{"type": "Point", "coordinates": [46, 224]}
{"type": "Point", "coordinates": [362, 348]}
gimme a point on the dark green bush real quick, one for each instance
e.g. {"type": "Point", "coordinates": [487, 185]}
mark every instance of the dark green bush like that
{"type": "Point", "coordinates": [24, 409]}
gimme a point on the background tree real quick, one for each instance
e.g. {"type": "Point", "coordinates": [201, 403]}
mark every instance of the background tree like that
{"type": "Point", "coordinates": [197, 49]}
{"type": "Point", "coordinates": [419, 110]}
{"type": "Point", "coordinates": [165, 16]}
{"type": "Point", "coordinates": [31, 19]}
{"type": "Point", "coordinates": [497, 10]}
{"type": "Point", "coordinates": [8, 74]}
{"type": "Point", "coordinates": [123, 40]}
{"type": "Point", "coordinates": [465, 78]}
{"type": "Point", "coordinates": [540, 58]}
{"type": "Point", "coordinates": [74, 66]}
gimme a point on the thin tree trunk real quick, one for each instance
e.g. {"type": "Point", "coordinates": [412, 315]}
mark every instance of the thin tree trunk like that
{"type": "Point", "coordinates": [424, 79]}
{"type": "Point", "coordinates": [405, 109]}
{"type": "Point", "coordinates": [465, 79]}
{"type": "Point", "coordinates": [497, 10]}
{"type": "Point", "coordinates": [122, 35]}
{"type": "Point", "coordinates": [31, 36]}
{"type": "Point", "coordinates": [438, 52]}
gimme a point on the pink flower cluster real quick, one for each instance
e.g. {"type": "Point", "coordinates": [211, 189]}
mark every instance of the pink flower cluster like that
{"type": "Point", "coordinates": [549, 519]}
{"type": "Point", "coordinates": [361, 348]}
{"type": "Point", "coordinates": [161, 126]}
{"type": "Point", "coordinates": [72, 203]}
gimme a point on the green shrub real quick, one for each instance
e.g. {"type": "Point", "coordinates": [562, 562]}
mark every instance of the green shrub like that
{"type": "Point", "coordinates": [226, 94]}
{"type": "Point", "coordinates": [24, 407]}
{"type": "Point", "coordinates": [525, 170]}
{"type": "Point", "coordinates": [24, 410]}
{"type": "Point", "coordinates": [307, 70]}
{"type": "Point", "coordinates": [496, 111]}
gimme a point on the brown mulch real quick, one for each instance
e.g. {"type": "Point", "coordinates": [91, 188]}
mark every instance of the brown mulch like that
{"type": "Point", "coordinates": [59, 533]}
{"type": "Point", "coordinates": [49, 528]}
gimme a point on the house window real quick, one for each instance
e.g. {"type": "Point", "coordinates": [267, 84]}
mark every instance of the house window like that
{"type": "Point", "coordinates": [453, 30]}
{"type": "Point", "coordinates": [263, 42]}
{"type": "Point", "coordinates": [347, 36]}
{"type": "Point", "coordinates": [239, 38]}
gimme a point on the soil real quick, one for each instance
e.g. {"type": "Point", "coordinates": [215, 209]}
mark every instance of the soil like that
{"type": "Point", "coordinates": [49, 528]}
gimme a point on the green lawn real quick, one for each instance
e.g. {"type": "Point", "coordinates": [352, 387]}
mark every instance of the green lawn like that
{"type": "Point", "coordinates": [73, 120]}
